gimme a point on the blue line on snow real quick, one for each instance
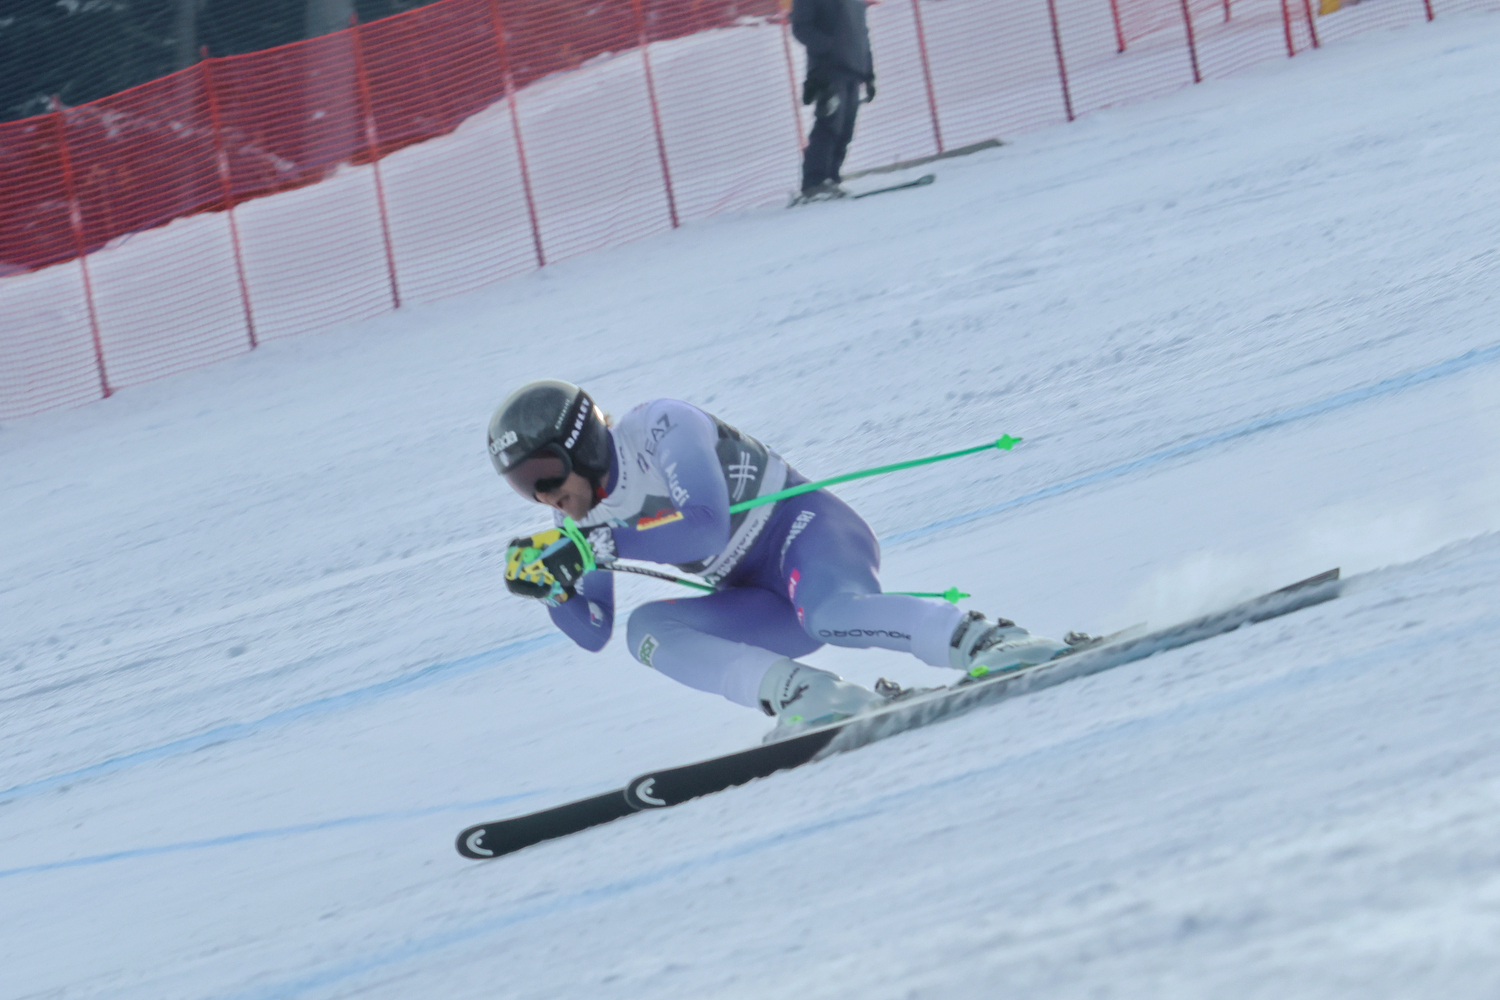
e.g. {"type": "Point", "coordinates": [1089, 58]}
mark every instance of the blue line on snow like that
{"type": "Point", "coordinates": [572, 901]}
{"type": "Point", "coordinates": [468, 664]}
{"type": "Point", "coordinates": [320, 706]}
{"type": "Point", "coordinates": [1453, 366]}
{"type": "Point", "coordinates": [278, 831]}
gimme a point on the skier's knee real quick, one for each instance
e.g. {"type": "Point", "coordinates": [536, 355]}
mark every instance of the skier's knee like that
{"type": "Point", "coordinates": [824, 620]}
{"type": "Point", "coordinates": [861, 620]}
{"type": "Point", "coordinates": [644, 630]}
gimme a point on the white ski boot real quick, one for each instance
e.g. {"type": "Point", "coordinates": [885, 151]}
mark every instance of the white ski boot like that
{"type": "Point", "coordinates": [802, 697]}
{"type": "Point", "coordinates": [980, 646]}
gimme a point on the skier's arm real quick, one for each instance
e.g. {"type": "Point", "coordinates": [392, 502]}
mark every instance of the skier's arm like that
{"type": "Point", "coordinates": [687, 457]}
{"type": "Point", "coordinates": [588, 616]}
{"type": "Point", "coordinates": [805, 27]}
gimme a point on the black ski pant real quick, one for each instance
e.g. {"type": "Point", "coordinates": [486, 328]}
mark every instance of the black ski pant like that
{"type": "Point", "coordinates": [835, 109]}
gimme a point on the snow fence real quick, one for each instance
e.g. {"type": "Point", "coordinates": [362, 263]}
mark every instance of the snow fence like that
{"type": "Point", "coordinates": [423, 155]}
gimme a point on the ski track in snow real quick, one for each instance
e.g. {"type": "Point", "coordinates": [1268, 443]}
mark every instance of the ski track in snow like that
{"type": "Point", "coordinates": [1247, 333]}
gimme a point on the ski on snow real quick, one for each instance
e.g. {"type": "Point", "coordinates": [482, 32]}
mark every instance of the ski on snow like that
{"type": "Point", "coordinates": [922, 181]}
{"type": "Point", "coordinates": [659, 789]}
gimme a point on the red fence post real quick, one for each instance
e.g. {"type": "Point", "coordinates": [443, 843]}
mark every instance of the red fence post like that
{"type": "Point", "coordinates": [75, 221]}
{"type": "Point", "coordinates": [222, 156]}
{"type": "Point", "coordinates": [1114, 12]}
{"type": "Point", "coordinates": [1286, 25]}
{"type": "Point", "coordinates": [1062, 67]}
{"type": "Point", "coordinates": [661, 141]}
{"type": "Point", "coordinates": [791, 79]}
{"type": "Point", "coordinates": [372, 143]}
{"type": "Point", "coordinates": [937, 132]}
{"type": "Point", "coordinates": [1428, 5]}
{"type": "Point", "coordinates": [1312, 29]}
{"type": "Point", "coordinates": [1187, 20]}
{"type": "Point", "coordinates": [1226, 11]}
{"type": "Point", "coordinates": [498, 26]}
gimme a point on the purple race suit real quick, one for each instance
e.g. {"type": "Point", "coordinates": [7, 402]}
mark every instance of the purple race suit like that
{"type": "Point", "coordinates": [789, 576]}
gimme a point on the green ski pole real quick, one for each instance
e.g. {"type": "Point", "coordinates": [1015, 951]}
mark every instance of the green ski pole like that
{"type": "Point", "coordinates": [1005, 443]}
{"type": "Point", "coordinates": [952, 594]}
{"type": "Point", "coordinates": [658, 574]}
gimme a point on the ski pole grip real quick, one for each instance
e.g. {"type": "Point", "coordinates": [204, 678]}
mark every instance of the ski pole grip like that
{"type": "Point", "coordinates": [571, 529]}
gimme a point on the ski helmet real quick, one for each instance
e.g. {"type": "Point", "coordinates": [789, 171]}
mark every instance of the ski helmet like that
{"type": "Point", "coordinates": [545, 430]}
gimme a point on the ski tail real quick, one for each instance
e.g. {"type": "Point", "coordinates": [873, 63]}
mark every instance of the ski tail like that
{"type": "Point", "coordinates": [491, 840]}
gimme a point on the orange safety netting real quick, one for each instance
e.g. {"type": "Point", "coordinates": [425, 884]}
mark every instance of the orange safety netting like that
{"type": "Point", "coordinates": [284, 191]}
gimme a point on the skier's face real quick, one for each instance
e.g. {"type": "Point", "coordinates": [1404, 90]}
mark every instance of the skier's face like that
{"type": "Point", "coordinates": [574, 497]}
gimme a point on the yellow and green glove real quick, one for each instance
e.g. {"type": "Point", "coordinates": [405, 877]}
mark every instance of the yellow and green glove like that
{"type": "Point", "coordinates": [547, 566]}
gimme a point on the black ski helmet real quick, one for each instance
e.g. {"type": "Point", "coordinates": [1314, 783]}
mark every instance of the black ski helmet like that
{"type": "Point", "coordinates": [549, 419]}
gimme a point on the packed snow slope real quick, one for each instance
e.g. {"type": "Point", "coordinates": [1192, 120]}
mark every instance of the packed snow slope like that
{"type": "Point", "coordinates": [259, 666]}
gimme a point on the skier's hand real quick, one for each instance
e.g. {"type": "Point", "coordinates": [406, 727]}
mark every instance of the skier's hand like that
{"type": "Point", "coordinates": [548, 565]}
{"type": "Point", "coordinates": [813, 87]}
{"type": "Point", "coordinates": [869, 91]}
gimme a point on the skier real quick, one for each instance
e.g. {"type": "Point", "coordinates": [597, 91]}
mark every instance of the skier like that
{"type": "Point", "coordinates": [789, 575]}
{"type": "Point", "coordinates": [838, 62]}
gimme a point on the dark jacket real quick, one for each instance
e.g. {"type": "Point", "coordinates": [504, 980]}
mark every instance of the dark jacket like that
{"type": "Point", "coordinates": [838, 43]}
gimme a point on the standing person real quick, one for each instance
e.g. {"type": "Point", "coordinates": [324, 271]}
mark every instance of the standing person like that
{"type": "Point", "coordinates": [789, 575]}
{"type": "Point", "coordinates": [838, 63]}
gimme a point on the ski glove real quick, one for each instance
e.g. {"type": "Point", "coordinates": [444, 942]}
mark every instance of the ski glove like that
{"type": "Point", "coordinates": [548, 565]}
{"type": "Point", "coordinates": [869, 91]}
{"type": "Point", "coordinates": [813, 87]}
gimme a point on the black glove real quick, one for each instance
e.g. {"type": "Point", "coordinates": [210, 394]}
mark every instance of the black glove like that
{"type": "Point", "coordinates": [548, 565]}
{"type": "Point", "coordinates": [869, 90]}
{"type": "Point", "coordinates": [813, 87]}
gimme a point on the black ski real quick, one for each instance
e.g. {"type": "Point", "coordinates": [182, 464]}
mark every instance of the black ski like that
{"type": "Point", "coordinates": [490, 840]}
{"type": "Point", "coordinates": [922, 181]}
{"type": "Point", "coordinates": [659, 789]}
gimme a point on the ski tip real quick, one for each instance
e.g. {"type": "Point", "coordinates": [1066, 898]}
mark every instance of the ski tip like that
{"type": "Point", "coordinates": [641, 794]}
{"type": "Point", "coordinates": [471, 844]}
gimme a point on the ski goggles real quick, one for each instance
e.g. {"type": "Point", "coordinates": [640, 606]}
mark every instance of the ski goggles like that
{"type": "Point", "coordinates": [543, 471]}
